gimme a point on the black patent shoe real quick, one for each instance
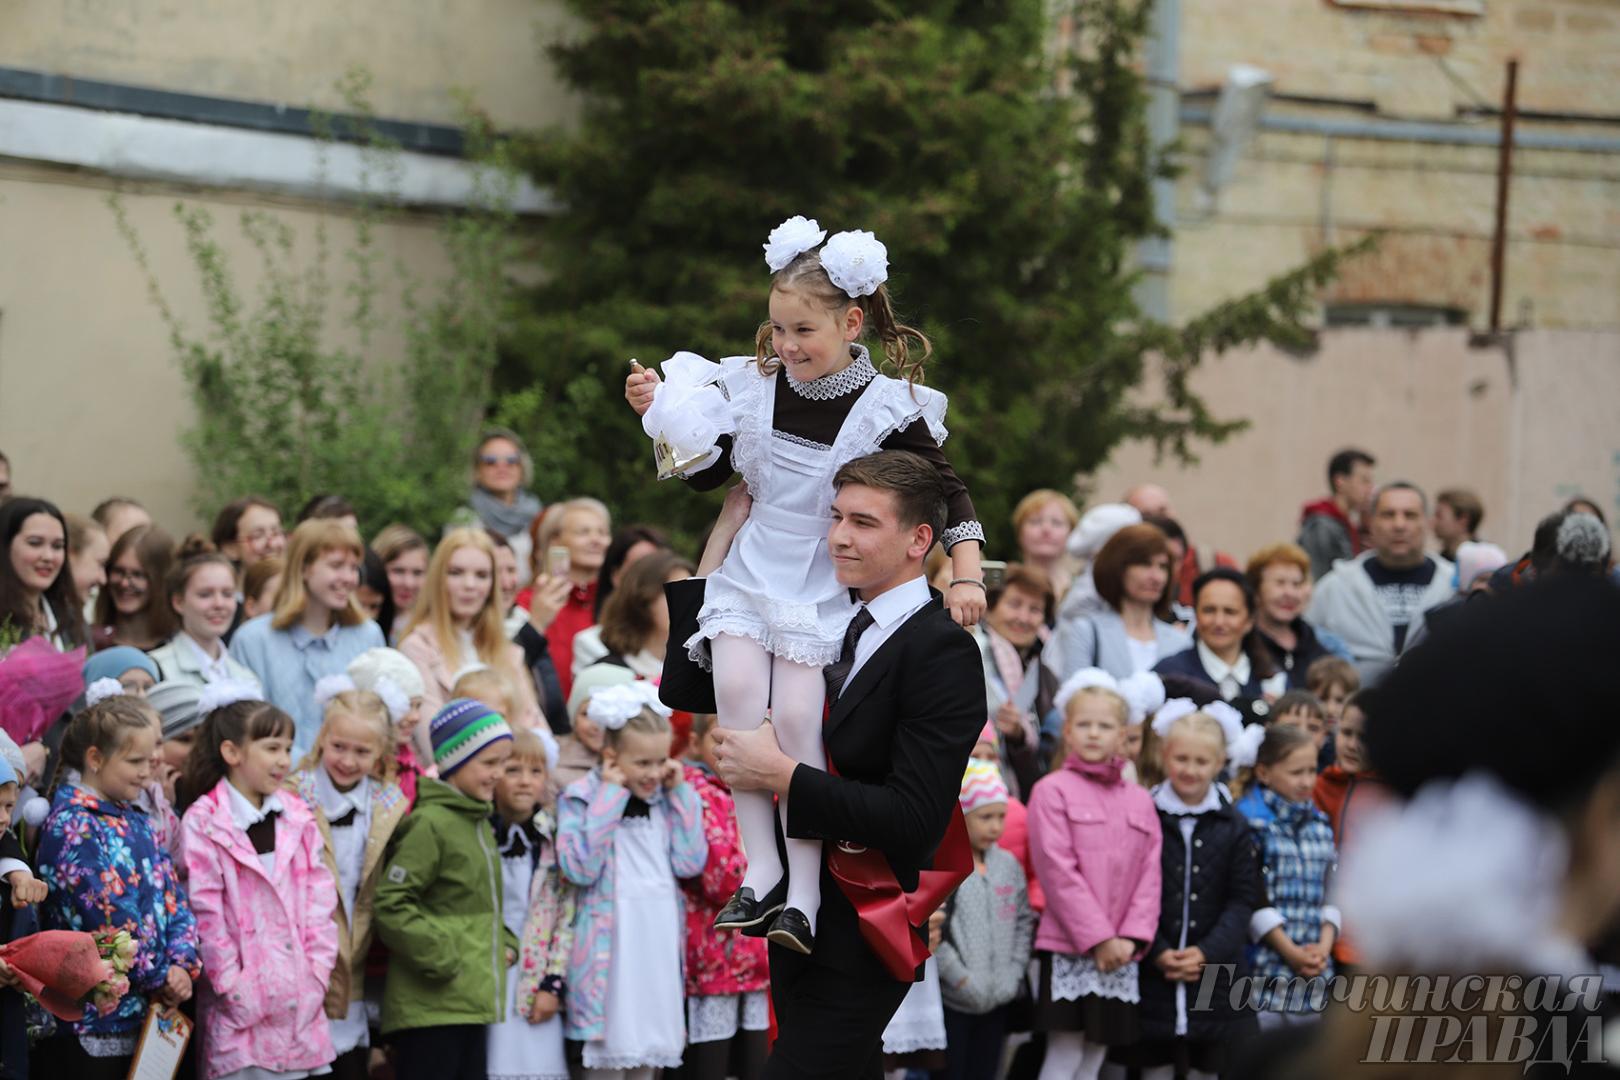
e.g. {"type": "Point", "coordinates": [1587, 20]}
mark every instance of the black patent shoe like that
{"type": "Point", "coordinates": [747, 913]}
{"type": "Point", "coordinates": [791, 930]}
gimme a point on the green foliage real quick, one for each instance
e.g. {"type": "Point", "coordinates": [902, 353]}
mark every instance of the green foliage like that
{"type": "Point", "coordinates": [1009, 209]}
{"type": "Point", "coordinates": [301, 388]}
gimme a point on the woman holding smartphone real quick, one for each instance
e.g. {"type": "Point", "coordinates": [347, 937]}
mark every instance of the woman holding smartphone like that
{"type": "Point", "coordinates": [570, 541]}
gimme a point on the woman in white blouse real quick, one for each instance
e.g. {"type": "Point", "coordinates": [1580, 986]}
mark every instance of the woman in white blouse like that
{"type": "Point", "coordinates": [201, 590]}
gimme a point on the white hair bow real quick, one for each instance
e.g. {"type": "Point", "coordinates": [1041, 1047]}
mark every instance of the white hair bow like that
{"type": "Point", "coordinates": [226, 692]}
{"type": "Point", "coordinates": [101, 690]}
{"type": "Point", "coordinates": [613, 706]}
{"type": "Point", "coordinates": [791, 239]}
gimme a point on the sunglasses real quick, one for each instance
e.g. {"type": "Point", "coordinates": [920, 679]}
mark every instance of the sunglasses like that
{"type": "Point", "coordinates": [499, 459]}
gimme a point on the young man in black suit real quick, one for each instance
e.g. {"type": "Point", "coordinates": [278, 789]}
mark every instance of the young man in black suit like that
{"type": "Point", "coordinates": [906, 702]}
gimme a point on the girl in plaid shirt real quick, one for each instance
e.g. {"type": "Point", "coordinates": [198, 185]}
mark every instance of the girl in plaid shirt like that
{"type": "Point", "coordinates": [1297, 930]}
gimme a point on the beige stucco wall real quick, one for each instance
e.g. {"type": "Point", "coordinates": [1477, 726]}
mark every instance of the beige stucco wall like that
{"type": "Point", "coordinates": [1294, 193]}
{"type": "Point", "coordinates": [293, 53]}
{"type": "Point", "coordinates": [91, 398]}
{"type": "Point", "coordinates": [1525, 432]}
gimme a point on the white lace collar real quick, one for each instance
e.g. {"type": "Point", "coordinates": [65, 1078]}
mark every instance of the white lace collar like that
{"type": "Point", "coordinates": [859, 372]}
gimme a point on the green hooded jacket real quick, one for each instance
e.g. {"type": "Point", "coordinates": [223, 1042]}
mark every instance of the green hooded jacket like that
{"type": "Point", "coordinates": [438, 909]}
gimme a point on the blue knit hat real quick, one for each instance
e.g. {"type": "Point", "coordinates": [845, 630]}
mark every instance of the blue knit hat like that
{"type": "Point", "coordinates": [113, 662]}
{"type": "Point", "coordinates": [460, 730]}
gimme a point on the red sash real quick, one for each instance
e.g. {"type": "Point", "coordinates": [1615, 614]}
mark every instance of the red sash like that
{"type": "Point", "coordinates": [891, 919]}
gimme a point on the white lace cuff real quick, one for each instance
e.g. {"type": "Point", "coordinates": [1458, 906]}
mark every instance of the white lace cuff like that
{"type": "Point", "coordinates": [968, 530]}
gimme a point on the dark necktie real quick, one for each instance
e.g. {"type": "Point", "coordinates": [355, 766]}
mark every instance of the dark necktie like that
{"type": "Point", "coordinates": [837, 673]}
{"type": "Point", "coordinates": [346, 819]}
{"type": "Point", "coordinates": [263, 833]}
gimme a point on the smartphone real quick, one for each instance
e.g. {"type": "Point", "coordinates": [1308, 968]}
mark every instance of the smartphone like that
{"type": "Point", "coordinates": [995, 572]}
{"type": "Point", "coordinates": [558, 560]}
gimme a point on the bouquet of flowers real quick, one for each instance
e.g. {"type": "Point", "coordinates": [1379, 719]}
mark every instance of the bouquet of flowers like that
{"type": "Point", "coordinates": [63, 969]}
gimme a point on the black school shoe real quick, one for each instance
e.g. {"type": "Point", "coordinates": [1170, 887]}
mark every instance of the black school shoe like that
{"type": "Point", "coordinates": [747, 913]}
{"type": "Point", "coordinates": [791, 930]}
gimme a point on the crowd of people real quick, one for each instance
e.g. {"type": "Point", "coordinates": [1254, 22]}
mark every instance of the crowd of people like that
{"type": "Point", "coordinates": [353, 794]}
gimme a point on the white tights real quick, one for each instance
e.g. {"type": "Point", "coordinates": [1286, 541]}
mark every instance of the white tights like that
{"type": "Point", "coordinates": [747, 681]}
{"type": "Point", "coordinates": [1070, 1057]}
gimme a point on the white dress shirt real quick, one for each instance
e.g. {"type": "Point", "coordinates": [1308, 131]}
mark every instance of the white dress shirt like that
{"type": "Point", "coordinates": [246, 815]}
{"type": "Point", "coordinates": [889, 610]}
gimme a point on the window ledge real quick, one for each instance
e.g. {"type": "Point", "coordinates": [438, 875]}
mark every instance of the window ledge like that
{"type": "Point", "coordinates": [1469, 8]}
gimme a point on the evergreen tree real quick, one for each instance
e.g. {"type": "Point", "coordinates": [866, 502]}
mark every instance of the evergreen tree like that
{"type": "Point", "coordinates": [1010, 210]}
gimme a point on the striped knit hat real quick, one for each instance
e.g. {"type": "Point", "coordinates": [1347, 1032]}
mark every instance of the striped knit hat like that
{"type": "Point", "coordinates": [460, 730]}
{"type": "Point", "coordinates": [982, 785]}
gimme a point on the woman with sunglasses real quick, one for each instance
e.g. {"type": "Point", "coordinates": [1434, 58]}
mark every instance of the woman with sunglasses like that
{"type": "Point", "coordinates": [500, 496]}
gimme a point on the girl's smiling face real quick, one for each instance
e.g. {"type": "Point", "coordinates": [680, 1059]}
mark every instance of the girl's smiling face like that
{"type": "Point", "coordinates": [810, 340]}
{"type": "Point", "coordinates": [1294, 776]}
{"type": "Point", "coordinates": [208, 602]}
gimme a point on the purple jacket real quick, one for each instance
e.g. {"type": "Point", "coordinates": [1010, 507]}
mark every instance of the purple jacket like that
{"type": "Point", "coordinates": [1095, 842]}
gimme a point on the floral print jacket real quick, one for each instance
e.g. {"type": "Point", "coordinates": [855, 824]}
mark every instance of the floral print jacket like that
{"type": "Point", "coordinates": [107, 873]}
{"type": "Point", "coordinates": [548, 929]}
{"type": "Point", "coordinates": [718, 962]}
{"type": "Point", "coordinates": [588, 818]}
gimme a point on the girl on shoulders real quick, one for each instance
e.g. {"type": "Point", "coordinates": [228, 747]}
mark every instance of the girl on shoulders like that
{"type": "Point", "coordinates": [807, 402]}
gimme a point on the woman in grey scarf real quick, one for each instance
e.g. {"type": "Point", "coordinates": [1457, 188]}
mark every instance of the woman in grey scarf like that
{"type": "Point", "coordinates": [502, 471]}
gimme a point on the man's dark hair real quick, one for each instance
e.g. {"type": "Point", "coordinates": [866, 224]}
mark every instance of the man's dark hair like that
{"type": "Point", "coordinates": [919, 495]}
{"type": "Point", "coordinates": [1169, 526]}
{"type": "Point", "coordinates": [1544, 546]}
{"type": "Point", "coordinates": [1400, 485]}
{"type": "Point", "coordinates": [1345, 461]}
{"type": "Point", "coordinates": [1465, 504]}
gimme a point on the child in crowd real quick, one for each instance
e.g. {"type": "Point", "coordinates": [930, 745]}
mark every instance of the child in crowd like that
{"type": "Point", "coordinates": [438, 907]}
{"type": "Point", "coordinates": [17, 919]}
{"type": "Point", "coordinates": [1302, 709]}
{"type": "Point", "coordinates": [1297, 930]}
{"type": "Point", "coordinates": [492, 687]}
{"type": "Point", "coordinates": [1346, 791]}
{"type": "Point", "coordinates": [106, 872]}
{"type": "Point", "coordinates": [580, 750]}
{"type": "Point", "coordinates": [989, 927]}
{"type": "Point", "coordinates": [537, 906]}
{"type": "Point", "coordinates": [1014, 837]}
{"type": "Point", "coordinates": [263, 897]}
{"type": "Point", "coordinates": [727, 975]}
{"type": "Point", "coordinates": [390, 675]}
{"type": "Point", "coordinates": [176, 704]}
{"type": "Point", "coordinates": [1096, 845]}
{"type": "Point", "coordinates": [152, 800]}
{"type": "Point", "coordinates": [260, 581]}
{"type": "Point", "coordinates": [132, 669]}
{"type": "Point", "coordinates": [344, 781]}
{"type": "Point", "coordinates": [1332, 679]}
{"type": "Point", "coordinates": [626, 832]}
{"type": "Point", "coordinates": [1211, 887]}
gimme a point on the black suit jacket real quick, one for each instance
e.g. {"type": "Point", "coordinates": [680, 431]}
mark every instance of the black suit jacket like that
{"type": "Point", "coordinates": [899, 737]}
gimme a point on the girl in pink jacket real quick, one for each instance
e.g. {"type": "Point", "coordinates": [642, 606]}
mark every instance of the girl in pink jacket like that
{"type": "Point", "coordinates": [263, 897]}
{"type": "Point", "coordinates": [1095, 841]}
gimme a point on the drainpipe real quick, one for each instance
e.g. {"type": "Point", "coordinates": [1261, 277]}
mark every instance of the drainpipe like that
{"type": "Point", "coordinates": [1154, 254]}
